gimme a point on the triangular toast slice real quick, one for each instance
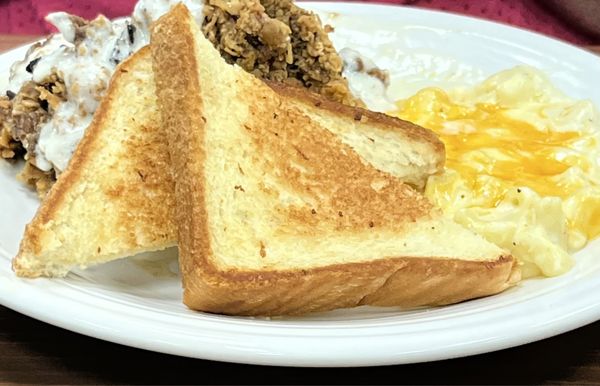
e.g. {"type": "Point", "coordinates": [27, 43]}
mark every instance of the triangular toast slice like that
{"type": "Point", "coordinates": [277, 215]}
{"type": "Point", "coordinates": [116, 197]}
{"type": "Point", "coordinates": [397, 147]}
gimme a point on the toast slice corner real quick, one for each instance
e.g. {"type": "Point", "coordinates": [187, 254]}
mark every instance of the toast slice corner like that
{"type": "Point", "coordinates": [400, 148]}
{"type": "Point", "coordinates": [65, 235]}
{"type": "Point", "coordinates": [277, 215]}
{"type": "Point", "coordinates": [115, 198]}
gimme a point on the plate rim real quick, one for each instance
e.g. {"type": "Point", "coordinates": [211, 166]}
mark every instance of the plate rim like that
{"type": "Point", "coordinates": [72, 320]}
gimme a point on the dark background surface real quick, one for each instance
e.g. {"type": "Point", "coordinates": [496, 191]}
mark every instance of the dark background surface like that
{"type": "Point", "coordinates": [37, 353]}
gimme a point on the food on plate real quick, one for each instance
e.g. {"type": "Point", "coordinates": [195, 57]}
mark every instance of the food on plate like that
{"type": "Point", "coordinates": [367, 82]}
{"type": "Point", "coordinates": [399, 148]}
{"type": "Point", "coordinates": [522, 164]}
{"type": "Point", "coordinates": [521, 167]}
{"type": "Point", "coordinates": [114, 199]}
{"type": "Point", "coordinates": [54, 92]}
{"type": "Point", "coordinates": [298, 49]}
{"type": "Point", "coordinates": [277, 215]}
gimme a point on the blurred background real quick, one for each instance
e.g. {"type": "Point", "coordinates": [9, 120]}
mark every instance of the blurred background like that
{"type": "Point", "coordinates": [575, 21]}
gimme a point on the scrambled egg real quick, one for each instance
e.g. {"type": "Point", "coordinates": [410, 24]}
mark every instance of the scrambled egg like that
{"type": "Point", "coordinates": [522, 165]}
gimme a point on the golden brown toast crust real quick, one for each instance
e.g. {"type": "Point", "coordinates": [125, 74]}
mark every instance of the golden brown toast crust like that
{"type": "Point", "coordinates": [386, 122]}
{"type": "Point", "coordinates": [387, 281]}
{"type": "Point", "coordinates": [404, 282]}
{"type": "Point", "coordinates": [333, 176]}
{"type": "Point", "coordinates": [141, 192]}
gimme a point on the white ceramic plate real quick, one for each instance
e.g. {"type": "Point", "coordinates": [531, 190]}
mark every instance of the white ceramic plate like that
{"type": "Point", "coordinates": [137, 302]}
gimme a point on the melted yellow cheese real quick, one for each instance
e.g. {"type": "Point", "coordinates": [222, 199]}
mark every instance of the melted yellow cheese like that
{"type": "Point", "coordinates": [482, 140]}
{"type": "Point", "coordinates": [500, 139]}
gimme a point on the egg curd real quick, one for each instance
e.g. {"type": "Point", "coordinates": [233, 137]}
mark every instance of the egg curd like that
{"type": "Point", "coordinates": [522, 164]}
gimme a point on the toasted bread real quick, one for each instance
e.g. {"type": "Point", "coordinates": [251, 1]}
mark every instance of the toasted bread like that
{"type": "Point", "coordinates": [278, 215]}
{"type": "Point", "coordinates": [116, 197]}
{"type": "Point", "coordinates": [397, 147]}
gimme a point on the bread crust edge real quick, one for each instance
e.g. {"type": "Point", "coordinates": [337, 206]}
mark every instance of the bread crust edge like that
{"type": "Point", "coordinates": [360, 114]}
{"type": "Point", "coordinates": [394, 281]}
{"type": "Point", "coordinates": [31, 243]}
